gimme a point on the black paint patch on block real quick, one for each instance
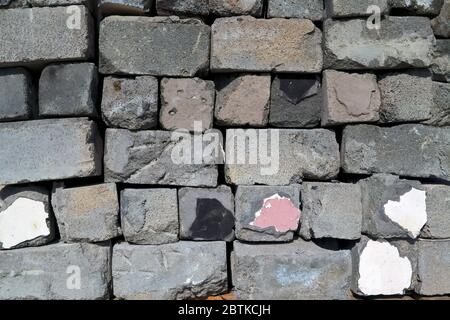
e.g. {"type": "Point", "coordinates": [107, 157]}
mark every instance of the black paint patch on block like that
{"type": "Point", "coordinates": [212, 222]}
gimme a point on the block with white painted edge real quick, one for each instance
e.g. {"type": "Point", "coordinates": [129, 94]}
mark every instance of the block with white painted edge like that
{"type": "Point", "coordinates": [149, 216]}
{"type": "Point", "coordinates": [206, 213]}
{"type": "Point", "coordinates": [298, 270]}
{"type": "Point", "coordinates": [433, 267]}
{"type": "Point", "coordinates": [77, 271]}
{"type": "Point", "coordinates": [55, 149]}
{"type": "Point", "coordinates": [87, 213]}
{"type": "Point", "coordinates": [383, 267]}
{"type": "Point", "coordinates": [26, 219]}
{"type": "Point", "coordinates": [331, 210]}
{"type": "Point", "coordinates": [266, 213]}
{"type": "Point", "coordinates": [179, 270]}
{"type": "Point", "coordinates": [438, 212]}
{"type": "Point", "coordinates": [393, 207]}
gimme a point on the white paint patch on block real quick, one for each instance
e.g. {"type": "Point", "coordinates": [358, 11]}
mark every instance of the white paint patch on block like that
{"type": "Point", "coordinates": [410, 212]}
{"type": "Point", "coordinates": [23, 220]}
{"type": "Point", "coordinates": [382, 271]}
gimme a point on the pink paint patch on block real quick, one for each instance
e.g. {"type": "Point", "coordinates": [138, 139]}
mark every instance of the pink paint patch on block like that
{"type": "Point", "coordinates": [278, 212]}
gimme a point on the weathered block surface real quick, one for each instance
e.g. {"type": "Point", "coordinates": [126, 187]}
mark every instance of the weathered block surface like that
{"type": "Point", "coordinates": [351, 45]}
{"type": "Point", "coordinates": [127, 46]}
{"type": "Point", "coordinates": [299, 270]}
{"type": "Point", "coordinates": [49, 150]}
{"type": "Point", "coordinates": [124, 7]}
{"type": "Point", "coordinates": [295, 101]}
{"type": "Point", "coordinates": [186, 101]}
{"type": "Point", "coordinates": [267, 214]}
{"type": "Point", "coordinates": [438, 212]}
{"type": "Point", "coordinates": [44, 38]}
{"type": "Point", "coordinates": [243, 100]}
{"type": "Point", "coordinates": [440, 107]}
{"type": "Point", "coordinates": [406, 97]}
{"type": "Point", "coordinates": [354, 8]}
{"type": "Point", "coordinates": [412, 150]}
{"type": "Point", "coordinates": [209, 7]}
{"type": "Point", "coordinates": [87, 214]}
{"type": "Point", "coordinates": [383, 268]}
{"type": "Point", "coordinates": [426, 7]}
{"type": "Point", "coordinates": [51, 272]}
{"type": "Point", "coordinates": [25, 217]}
{"type": "Point", "coordinates": [441, 61]}
{"type": "Point", "coordinates": [149, 216]}
{"type": "Point", "coordinates": [206, 214]}
{"type": "Point", "coordinates": [331, 210]}
{"type": "Point", "coordinates": [279, 45]}
{"type": "Point", "coordinates": [145, 157]}
{"type": "Point", "coordinates": [306, 9]}
{"type": "Point", "coordinates": [68, 90]}
{"type": "Point", "coordinates": [180, 270]}
{"type": "Point", "coordinates": [393, 207]}
{"type": "Point", "coordinates": [441, 24]}
{"type": "Point", "coordinates": [17, 98]}
{"type": "Point", "coordinates": [290, 156]}
{"type": "Point", "coordinates": [433, 267]}
{"type": "Point", "coordinates": [130, 103]}
{"type": "Point", "coordinates": [350, 98]}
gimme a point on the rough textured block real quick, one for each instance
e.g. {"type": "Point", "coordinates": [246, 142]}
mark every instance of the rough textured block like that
{"type": "Point", "coordinates": [42, 3]}
{"type": "Point", "coordinates": [68, 90]}
{"type": "Point", "coordinates": [17, 99]}
{"type": "Point", "coordinates": [278, 45]}
{"type": "Point", "coordinates": [25, 217]}
{"type": "Point", "coordinates": [441, 61]}
{"type": "Point", "coordinates": [383, 268]}
{"type": "Point", "coordinates": [185, 101]}
{"type": "Point", "coordinates": [209, 7]}
{"type": "Point", "coordinates": [438, 212]}
{"type": "Point", "coordinates": [127, 46]}
{"type": "Point", "coordinates": [87, 214]}
{"type": "Point", "coordinates": [412, 150]}
{"type": "Point", "coordinates": [130, 103]}
{"type": "Point", "coordinates": [243, 100]}
{"type": "Point", "coordinates": [440, 111]}
{"type": "Point", "coordinates": [306, 9]}
{"type": "Point", "coordinates": [393, 207]}
{"type": "Point", "coordinates": [295, 101]}
{"type": "Point", "coordinates": [299, 270]}
{"type": "Point", "coordinates": [267, 214]}
{"type": "Point", "coordinates": [351, 45]}
{"type": "Point", "coordinates": [49, 150]}
{"type": "Point", "coordinates": [354, 8]}
{"type": "Point", "coordinates": [124, 7]}
{"type": "Point", "coordinates": [331, 210]}
{"type": "Point", "coordinates": [406, 97]}
{"type": "Point", "coordinates": [146, 157]}
{"type": "Point", "coordinates": [433, 267]}
{"type": "Point", "coordinates": [280, 157]}
{"type": "Point", "coordinates": [149, 216]}
{"type": "Point", "coordinates": [441, 24]}
{"type": "Point", "coordinates": [44, 38]}
{"type": "Point", "coordinates": [206, 214]}
{"type": "Point", "coordinates": [180, 270]}
{"type": "Point", "coordinates": [350, 98]}
{"type": "Point", "coordinates": [427, 7]}
{"type": "Point", "coordinates": [51, 272]}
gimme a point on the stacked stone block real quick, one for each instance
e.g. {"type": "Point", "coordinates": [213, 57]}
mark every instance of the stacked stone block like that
{"type": "Point", "coordinates": [280, 149]}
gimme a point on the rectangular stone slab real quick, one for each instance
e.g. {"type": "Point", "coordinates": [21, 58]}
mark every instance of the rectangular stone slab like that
{"type": "Point", "coordinates": [54, 149]}
{"type": "Point", "coordinates": [145, 157]}
{"type": "Point", "coordinates": [411, 150]}
{"type": "Point", "coordinates": [297, 271]}
{"type": "Point", "coordinates": [294, 155]}
{"type": "Point", "coordinates": [401, 42]}
{"type": "Point", "coordinates": [159, 46]}
{"type": "Point", "coordinates": [58, 271]}
{"type": "Point", "coordinates": [279, 45]}
{"type": "Point", "coordinates": [179, 270]}
{"type": "Point", "coordinates": [37, 36]}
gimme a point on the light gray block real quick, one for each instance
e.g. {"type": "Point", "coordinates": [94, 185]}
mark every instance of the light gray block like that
{"type": "Point", "coordinates": [438, 212]}
{"type": "Point", "coordinates": [306, 9]}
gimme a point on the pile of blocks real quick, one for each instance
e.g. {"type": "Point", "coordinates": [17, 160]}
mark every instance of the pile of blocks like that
{"type": "Point", "coordinates": [258, 149]}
